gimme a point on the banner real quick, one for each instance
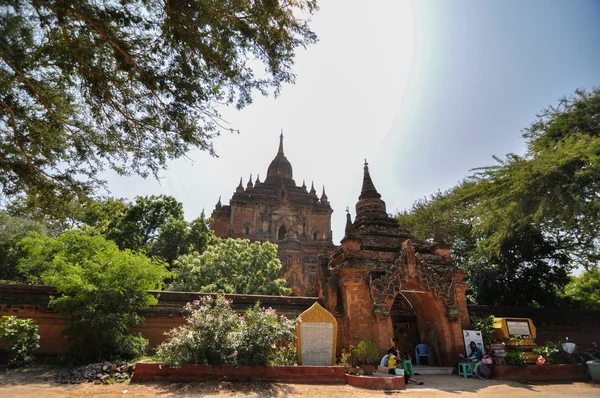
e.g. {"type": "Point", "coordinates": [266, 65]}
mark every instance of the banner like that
{"type": "Point", "coordinates": [472, 335]}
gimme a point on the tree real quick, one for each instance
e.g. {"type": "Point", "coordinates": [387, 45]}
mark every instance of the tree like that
{"type": "Point", "coordinates": [101, 289]}
{"type": "Point", "coordinates": [231, 266]}
{"type": "Point", "coordinates": [154, 224]}
{"type": "Point", "coordinates": [129, 84]}
{"type": "Point", "coordinates": [584, 290]}
{"type": "Point", "coordinates": [523, 224]}
{"type": "Point", "coordinates": [12, 230]}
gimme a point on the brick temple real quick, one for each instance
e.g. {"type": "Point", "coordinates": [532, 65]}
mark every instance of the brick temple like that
{"type": "Point", "coordinates": [381, 283]}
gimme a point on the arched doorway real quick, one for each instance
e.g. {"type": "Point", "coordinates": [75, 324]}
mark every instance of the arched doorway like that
{"type": "Point", "coordinates": [281, 233]}
{"type": "Point", "coordinates": [405, 326]}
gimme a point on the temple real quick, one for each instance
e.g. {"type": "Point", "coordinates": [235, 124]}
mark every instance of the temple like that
{"type": "Point", "coordinates": [278, 210]}
{"type": "Point", "coordinates": [381, 283]}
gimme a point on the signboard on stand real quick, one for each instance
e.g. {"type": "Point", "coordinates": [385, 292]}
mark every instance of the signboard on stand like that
{"type": "Point", "coordinates": [472, 335]}
{"type": "Point", "coordinates": [316, 334]}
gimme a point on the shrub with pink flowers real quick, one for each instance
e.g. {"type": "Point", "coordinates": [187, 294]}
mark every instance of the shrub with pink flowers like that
{"type": "Point", "coordinates": [215, 334]}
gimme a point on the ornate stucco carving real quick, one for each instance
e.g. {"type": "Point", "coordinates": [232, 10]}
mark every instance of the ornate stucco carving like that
{"type": "Point", "coordinates": [387, 285]}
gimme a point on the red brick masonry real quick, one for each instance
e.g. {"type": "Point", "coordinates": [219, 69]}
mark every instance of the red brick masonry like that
{"type": "Point", "coordinates": [153, 372]}
{"type": "Point", "coordinates": [376, 382]}
{"type": "Point", "coordinates": [542, 372]}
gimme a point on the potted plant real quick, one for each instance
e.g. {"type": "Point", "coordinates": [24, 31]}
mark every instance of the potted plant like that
{"type": "Point", "coordinates": [348, 360]}
{"type": "Point", "coordinates": [367, 355]}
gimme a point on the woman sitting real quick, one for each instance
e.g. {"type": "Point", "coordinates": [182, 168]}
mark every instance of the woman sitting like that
{"type": "Point", "coordinates": [393, 365]}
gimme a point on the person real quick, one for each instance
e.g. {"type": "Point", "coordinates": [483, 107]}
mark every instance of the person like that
{"type": "Point", "coordinates": [484, 369]}
{"type": "Point", "coordinates": [393, 365]}
{"type": "Point", "coordinates": [487, 351]}
{"type": "Point", "coordinates": [386, 358]}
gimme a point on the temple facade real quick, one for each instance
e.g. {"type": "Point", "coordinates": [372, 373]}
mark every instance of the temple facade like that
{"type": "Point", "coordinates": [381, 283]}
{"type": "Point", "coordinates": [277, 210]}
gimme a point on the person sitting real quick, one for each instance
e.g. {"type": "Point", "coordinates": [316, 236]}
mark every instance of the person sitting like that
{"type": "Point", "coordinates": [386, 358]}
{"type": "Point", "coordinates": [487, 350]}
{"type": "Point", "coordinates": [393, 365]}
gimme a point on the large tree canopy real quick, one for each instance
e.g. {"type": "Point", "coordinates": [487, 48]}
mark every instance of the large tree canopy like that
{"type": "Point", "coordinates": [154, 224]}
{"type": "Point", "coordinates": [231, 266]}
{"type": "Point", "coordinates": [129, 83]}
{"type": "Point", "coordinates": [519, 227]}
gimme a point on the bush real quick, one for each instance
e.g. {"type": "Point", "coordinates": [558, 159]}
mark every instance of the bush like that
{"type": "Point", "coordinates": [21, 337]}
{"type": "Point", "coordinates": [214, 334]}
{"type": "Point", "coordinates": [102, 290]}
{"type": "Point", "coordinates": [367, 353]}
{"type": "Point", "coordinates": [515, 358]}
{"type": "Point", "coordinates": [262, 331]}
{"type": "Point", "coordinates": [486, 326]}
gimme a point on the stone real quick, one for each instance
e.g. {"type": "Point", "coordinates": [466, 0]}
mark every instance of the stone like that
{"type": "Point", "coordinates": [316, 333]}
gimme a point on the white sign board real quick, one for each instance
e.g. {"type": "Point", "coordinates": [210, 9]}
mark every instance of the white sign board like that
{"type": "Point", "coordinates": [520, 328]}
{"type": "Point", "coordinates": [472, 335]}
{"type": "Point", "coordinates": [317, 343]}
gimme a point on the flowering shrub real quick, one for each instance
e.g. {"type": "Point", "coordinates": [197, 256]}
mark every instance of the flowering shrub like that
{"type": "Point", "coordinates": [261, 334]}
{"type": "Point", "coordinates": [21, 339]}
{"type": "Point", "coordinates": [215, 334]}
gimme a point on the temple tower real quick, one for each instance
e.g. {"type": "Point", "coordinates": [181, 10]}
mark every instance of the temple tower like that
{"type": "Point", "coordinates": [277, 210]}
{"type": "Point", "coordinates": [382, 284]}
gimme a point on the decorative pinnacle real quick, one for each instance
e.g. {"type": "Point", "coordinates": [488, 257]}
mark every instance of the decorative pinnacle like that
{"type": "Point", "coordinates": [368, 188]}
{"type": "Point", "coordinates": [219, 202]}
{"type": "Point", "coordinates": [240, 181]}
{"type": "Point", "coordinates": [280, 143]}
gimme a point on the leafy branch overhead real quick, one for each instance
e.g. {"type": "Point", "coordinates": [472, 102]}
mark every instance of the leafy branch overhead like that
{"type": "Point", "coordinates": [130, 83]}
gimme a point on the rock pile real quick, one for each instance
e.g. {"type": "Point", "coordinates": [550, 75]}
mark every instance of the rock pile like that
{"type": "Point", "coordinates": [99, 373]}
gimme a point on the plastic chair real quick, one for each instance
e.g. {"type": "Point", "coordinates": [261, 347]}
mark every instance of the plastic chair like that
{"type": "Point", "coordinates": [464, 369]}
{"type": "Point", "coordinates": [422, 350]}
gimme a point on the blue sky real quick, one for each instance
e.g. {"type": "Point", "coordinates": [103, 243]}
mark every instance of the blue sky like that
{"type": "Point", "coordinates": [425, 90]}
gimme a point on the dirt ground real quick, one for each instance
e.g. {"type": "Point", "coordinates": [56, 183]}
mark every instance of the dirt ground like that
{"type": "Point", "coordinates": [39, 382]}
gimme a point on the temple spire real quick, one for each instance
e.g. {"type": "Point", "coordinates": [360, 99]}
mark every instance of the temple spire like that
{"type": "Point", "coordinates": [349, 230]}
{"type": "Point", "coordinates": [249, 185]}
{"type": "Point", "coordinates": [368, 188]}
{"type": "Point", "coordinates": [280, 152]}
{"type": "Point", "coordinates": [240, 188]}
{"type": "Point", "coordinates": [323, 196]}
{"type": "Point", "coordinates": [219, 203]}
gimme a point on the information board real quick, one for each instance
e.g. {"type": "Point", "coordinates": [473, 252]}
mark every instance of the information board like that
{"type": "Point", "coordinates": [519, 328]}
{"type": "Point", "coordinates": [317, 343]}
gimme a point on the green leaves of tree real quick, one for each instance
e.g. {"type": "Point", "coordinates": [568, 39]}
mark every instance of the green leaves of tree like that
{"type": "Point", "coordinates": [102, 289]}
{"type": "Point", "coordinates": [522, 225]}
{"type": "Point", "coordinates": [231, 266]}
{"type": "Point", "coordinates": [129, 84]}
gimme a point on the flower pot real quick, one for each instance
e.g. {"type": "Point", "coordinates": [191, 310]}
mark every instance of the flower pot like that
{"type": "Point", "coordinates": [368, 369]}
{"type": "Point", "coordinates": [594, 368]}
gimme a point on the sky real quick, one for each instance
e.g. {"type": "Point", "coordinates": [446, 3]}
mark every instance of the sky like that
{"type": "Point", "coordinates": [424, 90]}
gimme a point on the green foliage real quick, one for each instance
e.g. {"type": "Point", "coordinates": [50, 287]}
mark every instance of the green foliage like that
{"type": "Point", "coordinates": [519, 227]}
{"type": "Point", "coordinates": [21, 337]}
{"type": "Point", "coordinates": [286, 355]}
{"type": "Point", "coordinates": [515, 358]}
{"type": "Point", "coordinates": [367, 353]}
{"type": "Point", "coordinates": [584, 290]}
{"type": "Point", "coordinates": [153, 224]}
{"type": "Point", "coordinates": [264, 337]}
{"type": "Point", "coordinates": [102, 289]}
{"type": "Point", "coordinates": [551, 351]}
{"type": "Point", "coordinates": [348, 358]}
{"type": "Point", "coordinates": [486, 326]}
{"type": "Point", "coordinates": [12, 230]}
{"type": "Point", "coordinates": [215, 334]}
{"type": "Point", "coordinates": [231, 266]}
{"type": "Point", "coordinates": [129, 84]}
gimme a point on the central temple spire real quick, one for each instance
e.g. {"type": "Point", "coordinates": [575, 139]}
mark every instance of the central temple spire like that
{"type": "Point", "coordinates": [280, 152]}
{"type": "Point", "coordinates": [280, 168]}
